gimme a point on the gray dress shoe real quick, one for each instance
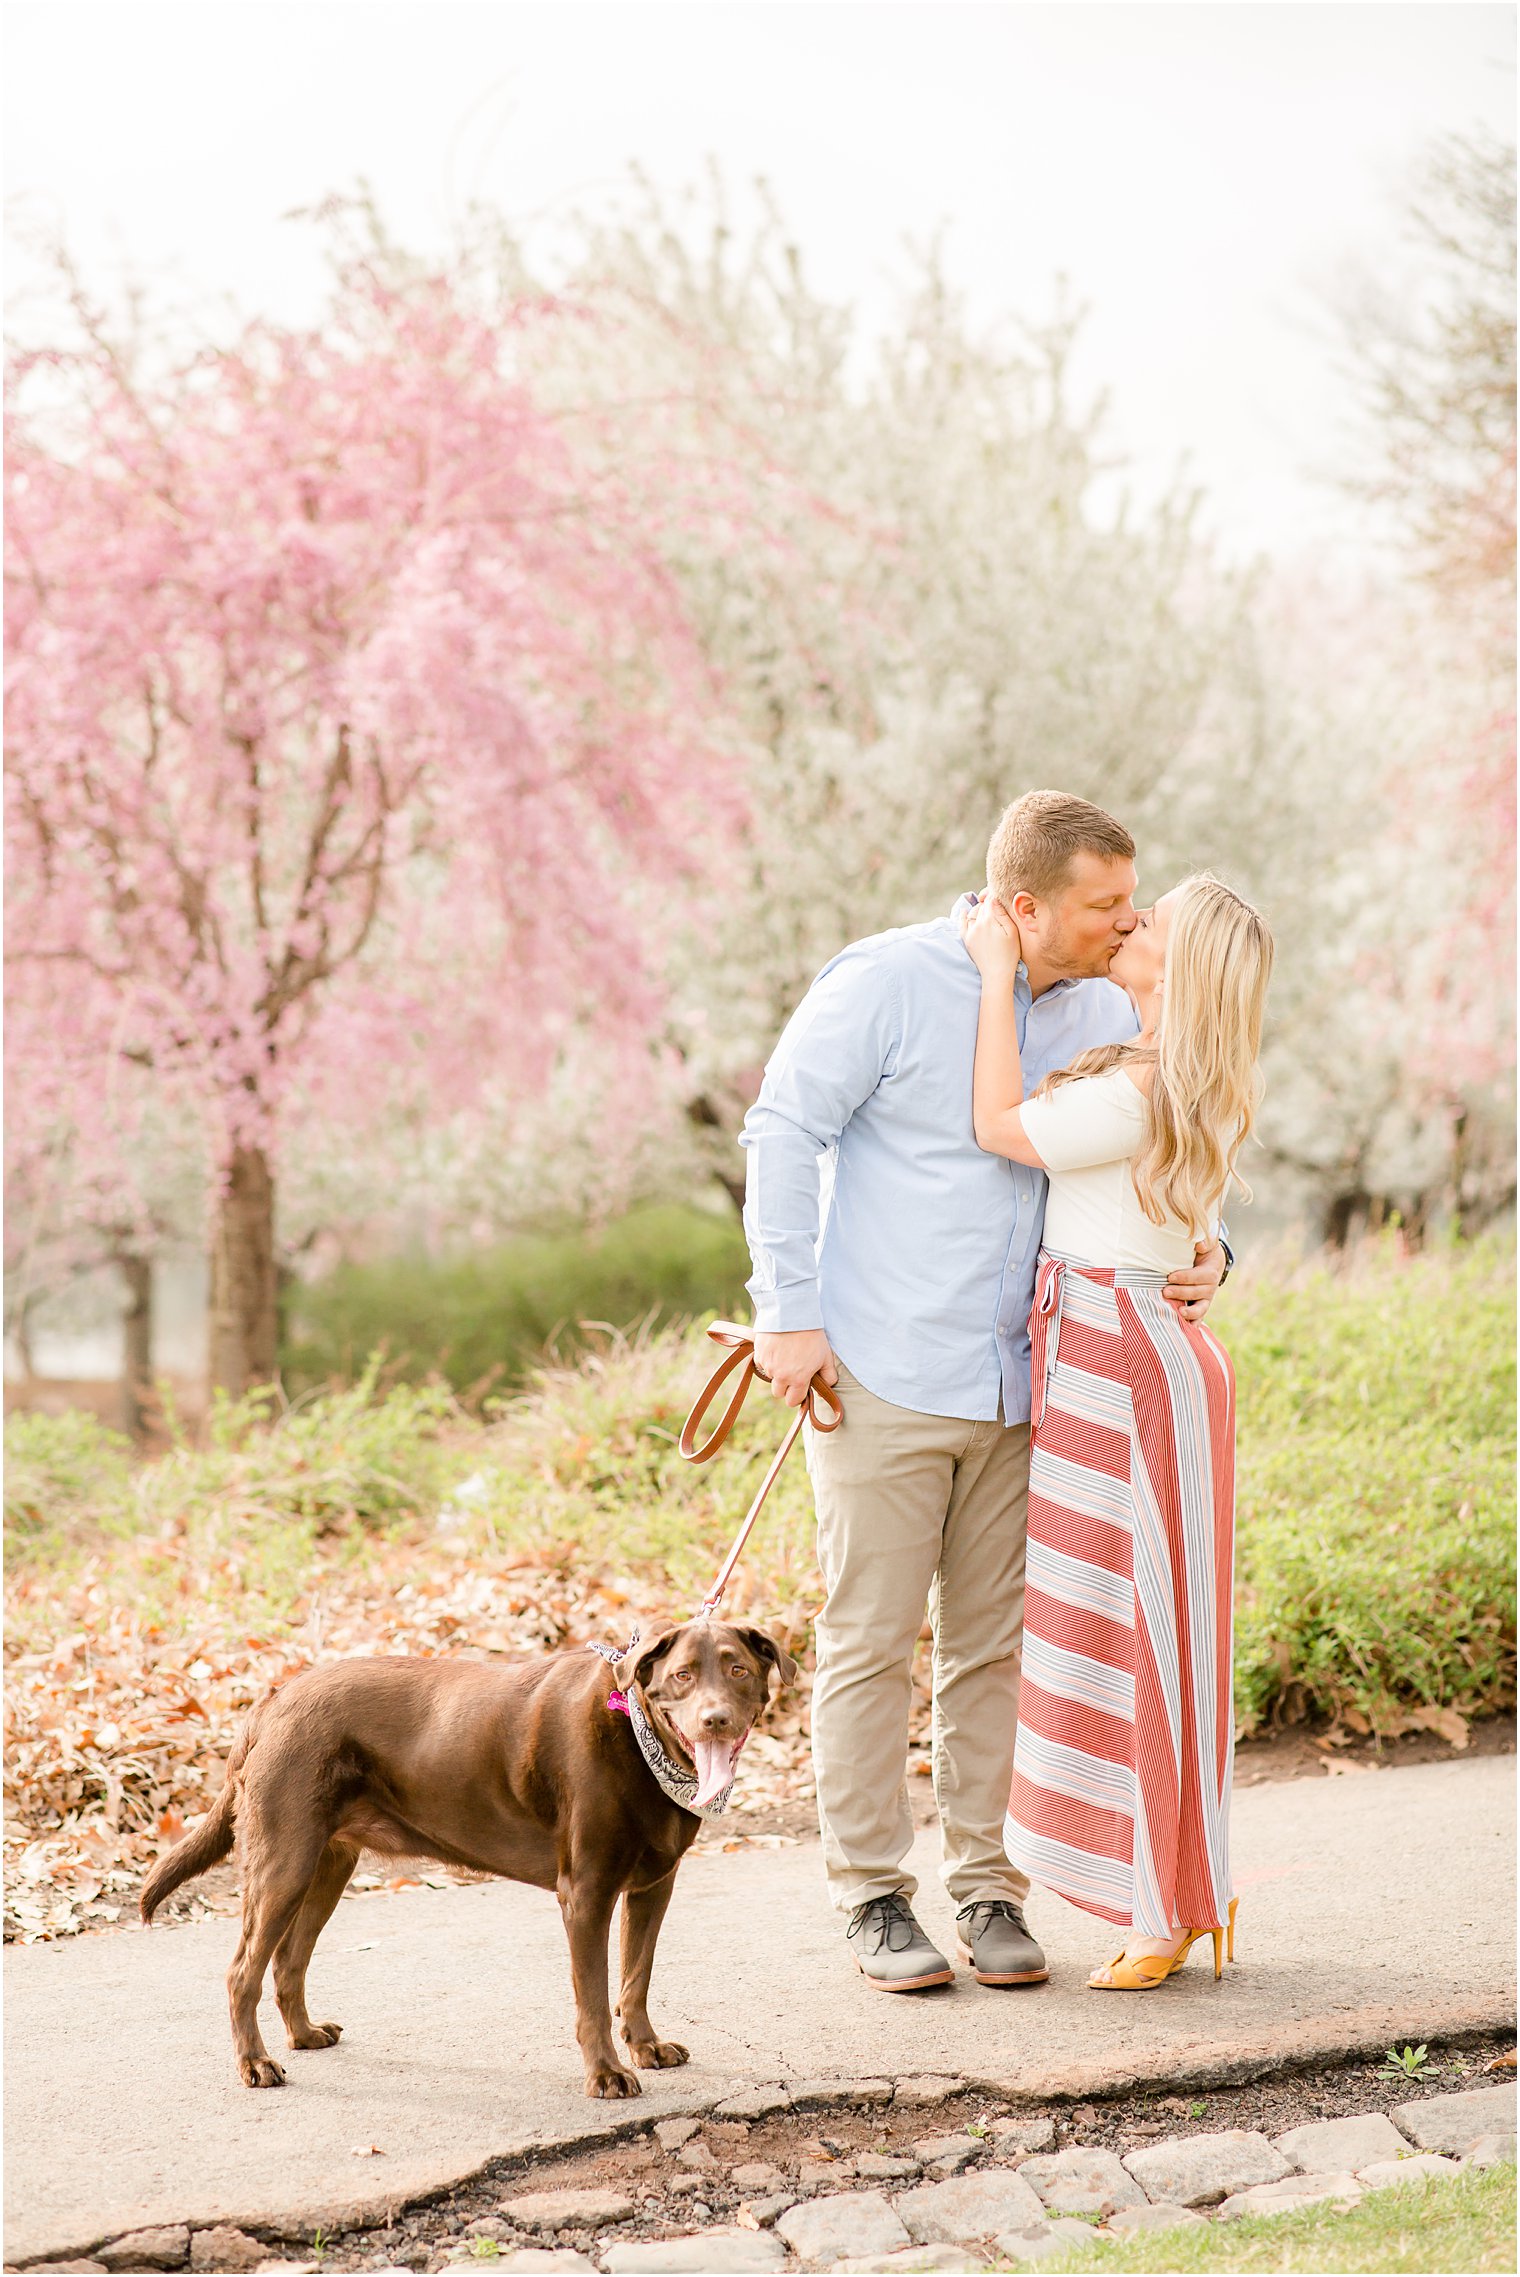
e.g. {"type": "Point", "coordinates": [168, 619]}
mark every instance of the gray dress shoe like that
{"type": "Point", "coordinates": [994, 1940]}
{"type": "Point", "coordinates": [891, 1951]}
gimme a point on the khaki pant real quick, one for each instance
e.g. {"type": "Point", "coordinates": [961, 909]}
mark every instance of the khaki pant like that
{"type": "Point", "coordinates": [915, 1508]}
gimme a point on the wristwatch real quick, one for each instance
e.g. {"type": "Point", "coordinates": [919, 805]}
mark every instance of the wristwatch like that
{"type": "Point", "coordinates": [1229, 1260]}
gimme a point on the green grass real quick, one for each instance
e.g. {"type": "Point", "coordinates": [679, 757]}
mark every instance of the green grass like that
{"type": "Point", "coordinates": [1375, 1544]}
{"type": "Point", "coordinates": [490, 1318]}
{"type": "Point", "coordinates": [1466, 2222]}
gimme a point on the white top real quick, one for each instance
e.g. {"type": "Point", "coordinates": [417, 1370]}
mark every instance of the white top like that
{"type": "Point", "coordinates": [1086, 1134]}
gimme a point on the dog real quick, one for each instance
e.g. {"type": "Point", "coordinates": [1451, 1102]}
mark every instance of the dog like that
{"type": "Point", "coordinates": [532, 1771]}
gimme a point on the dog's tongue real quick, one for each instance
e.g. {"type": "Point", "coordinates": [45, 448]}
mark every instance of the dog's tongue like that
{"type": "Point", "coordinates": [715, 1759]}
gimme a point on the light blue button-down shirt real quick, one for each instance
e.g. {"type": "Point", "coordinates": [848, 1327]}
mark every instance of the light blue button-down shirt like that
{"type": "Point", "coordinates": [870, 1209]}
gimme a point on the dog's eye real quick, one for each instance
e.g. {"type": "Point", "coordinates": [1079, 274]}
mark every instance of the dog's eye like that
{"type": "Point", "coordinates": [681, 1676]}
{"type": "Point", "coordinates": [740, 1673]}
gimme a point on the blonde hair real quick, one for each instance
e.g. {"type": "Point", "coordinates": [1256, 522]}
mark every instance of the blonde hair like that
{"type": "Point", "coordinates": [1207, 1084]}
{"type": "Point", "coordinates": [1039, 837]}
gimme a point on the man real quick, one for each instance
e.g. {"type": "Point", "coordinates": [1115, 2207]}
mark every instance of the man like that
{"type": "Point", "coordinates": [915, 1299]}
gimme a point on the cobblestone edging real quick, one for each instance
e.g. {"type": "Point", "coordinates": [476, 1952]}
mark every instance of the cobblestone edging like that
{"type": "Point", "coordinates": [959, 2199]}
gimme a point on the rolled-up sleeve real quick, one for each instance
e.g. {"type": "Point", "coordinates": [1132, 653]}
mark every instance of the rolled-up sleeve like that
{"type": "Point", "coordinates": [833, 1053]}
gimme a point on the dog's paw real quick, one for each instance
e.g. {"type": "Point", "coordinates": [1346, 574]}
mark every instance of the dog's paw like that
{"type": "Point", "coordinates": [316, 2036]}
{"type": "Point", "coordinates": [658, 2055]}
{"type": "Point", "coordinates": [260, 2071]}
{"type": "Point", "coordinates": [610, 2081]}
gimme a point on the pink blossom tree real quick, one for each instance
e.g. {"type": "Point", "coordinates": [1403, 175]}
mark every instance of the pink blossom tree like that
{"type": "Point", "coordinates": [354, 725]}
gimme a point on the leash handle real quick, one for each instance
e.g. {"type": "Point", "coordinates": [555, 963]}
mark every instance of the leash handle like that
{"type": "Point", "coordinates": [742, 1357]}
{"type": "Point", "coordinates": [826, 1416]}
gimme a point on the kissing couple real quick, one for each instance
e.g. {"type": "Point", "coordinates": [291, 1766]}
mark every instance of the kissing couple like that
{"type": "Point", "coordinates": [986, 1176]}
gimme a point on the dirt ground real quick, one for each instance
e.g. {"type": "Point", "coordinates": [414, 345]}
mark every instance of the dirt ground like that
{"type": "Point", "coordinates": [689, 2189]}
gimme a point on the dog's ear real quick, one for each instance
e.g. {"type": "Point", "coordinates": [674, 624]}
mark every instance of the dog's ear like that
{"type": "Point", "coordinates": [635, 1667]}
{"type": "Point", "coordinates": [768, 1649]}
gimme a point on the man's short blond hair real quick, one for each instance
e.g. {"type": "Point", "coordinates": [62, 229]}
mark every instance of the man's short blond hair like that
{"type": "Point", "coordinates": [1039, 837]}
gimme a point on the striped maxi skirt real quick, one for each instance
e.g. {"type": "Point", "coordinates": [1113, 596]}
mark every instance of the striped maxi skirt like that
{"type": "Point", "coordinates": [1121, 1782]}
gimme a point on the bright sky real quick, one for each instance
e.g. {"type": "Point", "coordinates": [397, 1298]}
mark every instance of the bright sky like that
{"type": "Point", "coordinates": [1199, 173]}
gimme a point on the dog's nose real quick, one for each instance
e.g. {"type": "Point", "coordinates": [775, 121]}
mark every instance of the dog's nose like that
{"type": "Point", "coordinates": [716, 1720]}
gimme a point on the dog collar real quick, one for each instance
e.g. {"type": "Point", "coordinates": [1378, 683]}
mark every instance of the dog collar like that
{"type": "Point", "coordinates": [672, 1778]}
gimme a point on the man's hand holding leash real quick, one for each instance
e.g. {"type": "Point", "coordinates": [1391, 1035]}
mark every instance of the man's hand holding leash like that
{"type": "Point", "coordinates": [789, 1360]}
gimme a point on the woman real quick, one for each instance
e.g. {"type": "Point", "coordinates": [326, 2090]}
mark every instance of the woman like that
{"type": "Point", "coordinates": [1121, 1783]}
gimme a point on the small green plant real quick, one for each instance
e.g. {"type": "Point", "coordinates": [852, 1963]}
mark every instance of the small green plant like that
{"type": "Point", "coordinates": [1408, 2063]}
{"type": "Point", "coordinates": [484, 2248]}
{"type": "Point", "coordinates": [319, 2242]}
{"type": "Point", "coordinates": [1197, 2110]}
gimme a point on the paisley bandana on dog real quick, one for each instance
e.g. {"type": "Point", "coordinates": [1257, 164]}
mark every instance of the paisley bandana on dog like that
{"type": "Point", "coordinates": [679, 1784]}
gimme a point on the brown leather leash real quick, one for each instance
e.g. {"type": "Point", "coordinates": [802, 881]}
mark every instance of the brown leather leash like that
{"type": "Point", "coordinates": [741, 1356]}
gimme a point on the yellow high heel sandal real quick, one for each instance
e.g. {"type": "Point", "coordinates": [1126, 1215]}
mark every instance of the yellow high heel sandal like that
{"type": "Point", "coordinates": [1225, 1937]}
{"type": "Point", "coordinates": [1147, 1970]}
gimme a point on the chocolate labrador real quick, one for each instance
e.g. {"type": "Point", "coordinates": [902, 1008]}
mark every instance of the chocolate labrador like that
{"type": "Point", "coordinates": [537, 1772]}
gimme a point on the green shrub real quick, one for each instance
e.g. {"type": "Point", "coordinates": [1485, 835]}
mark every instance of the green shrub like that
{"type": "Point", "coordinates": [57, 1462]}
{"type": "Point", "coordinates": [1375, 1576]}
{"type": "Point", "coordinates": [1375, 1548]}
{"type": "Point", "coordinates": [355, 1457]}
{"type": "Point", "coordinates": [491, 1317]}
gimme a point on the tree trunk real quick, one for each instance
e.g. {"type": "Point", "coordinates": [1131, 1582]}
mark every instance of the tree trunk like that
{"type": "Point", "coordinates": [137, 1333]}
{"type": "Point", "coordinates": [244, 1285]}
{"type": "Point", "coordinates": [705, 1115]}
{"type": "Point", "coordinates": [21, 1337]}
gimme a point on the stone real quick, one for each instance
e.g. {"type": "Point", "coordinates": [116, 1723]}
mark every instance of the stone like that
{"type": "Point", "coordinates": [1015, 2138]}
{"type": "Point", "coordinates": [1341, 2146]}
{"type": "Point", "coordinates": [78, 2267]}
{"type": "Point", "coordinates": [1292, 2191]}
{"type": "Point", "coordinates": [1453, 2123]}
{"type": "Point", "coordinates": [819, 2174]}
{"type": "Point", "coordinates": [947, 2154]}
{"type": "Point", "coordinates": [226, 2248]}
{"type": "Point", "coordinates": [713, 2254]}
{"type": "Point", "coordinates": [149, 2249]}
{"type": "Point", "coordinates": [947, 2257]}
{"type": "Point", "coordinates": [1419, 2168]}
{"type": "Point", "coordinates": [877, 2166]}
{"type": "Point", "coordinates": [1491, 2150]}
{"type": "Point", "coordinates": [970, 2208]}
{"type": "Point", "coordinates": [818, 2094]}
{"type": "Point", "coordinates": [685, 2185]}
{"type": "Point", "coordinates": [695, 2154]}
{"type": "Point", "coordinates": [1029, 2248]}
{"type": "Point", "coordinates": [856, 2223]}
{"type": "Point", "coordinates": [546, 2257]}
{"type": "Point", "coordinates": [1198, 2170]}
{"type": "Point", "coordinates": [755, 2175]}
{"type": "Point", "coordinates": [755, 2103]}
{"type": "Point", "coordinates": [869, 2091]}
{"type": "Point", "coordinates": [1081, 2182]}
{"type": "Point", "coordinates": [929, 2087]}
{"type": "Point", "coordinates": [671, 2133]}
{"type": "Point", "coordinates": [568, 2209]}
{"type": "Point", "coordinates": [1132, 2221]}
{"type": "Point", "coordinates": [768, 2210]}
{"type": "Point", "coordinates": [489, 2225]}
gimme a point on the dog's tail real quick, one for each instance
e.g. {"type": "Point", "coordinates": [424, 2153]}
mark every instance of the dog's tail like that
{"type": "Point", "coordinates": [211, 1841]}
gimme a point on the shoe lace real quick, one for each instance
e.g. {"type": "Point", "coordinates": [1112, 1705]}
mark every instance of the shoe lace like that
{"type": "Point", "coordinates": [993, 1909]}
{"type": "Point", "coordinates": [885, 1924]}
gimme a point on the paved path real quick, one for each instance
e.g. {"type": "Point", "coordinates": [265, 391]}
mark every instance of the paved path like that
{"type": "Point", "coordinates": [1373, 1906]}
